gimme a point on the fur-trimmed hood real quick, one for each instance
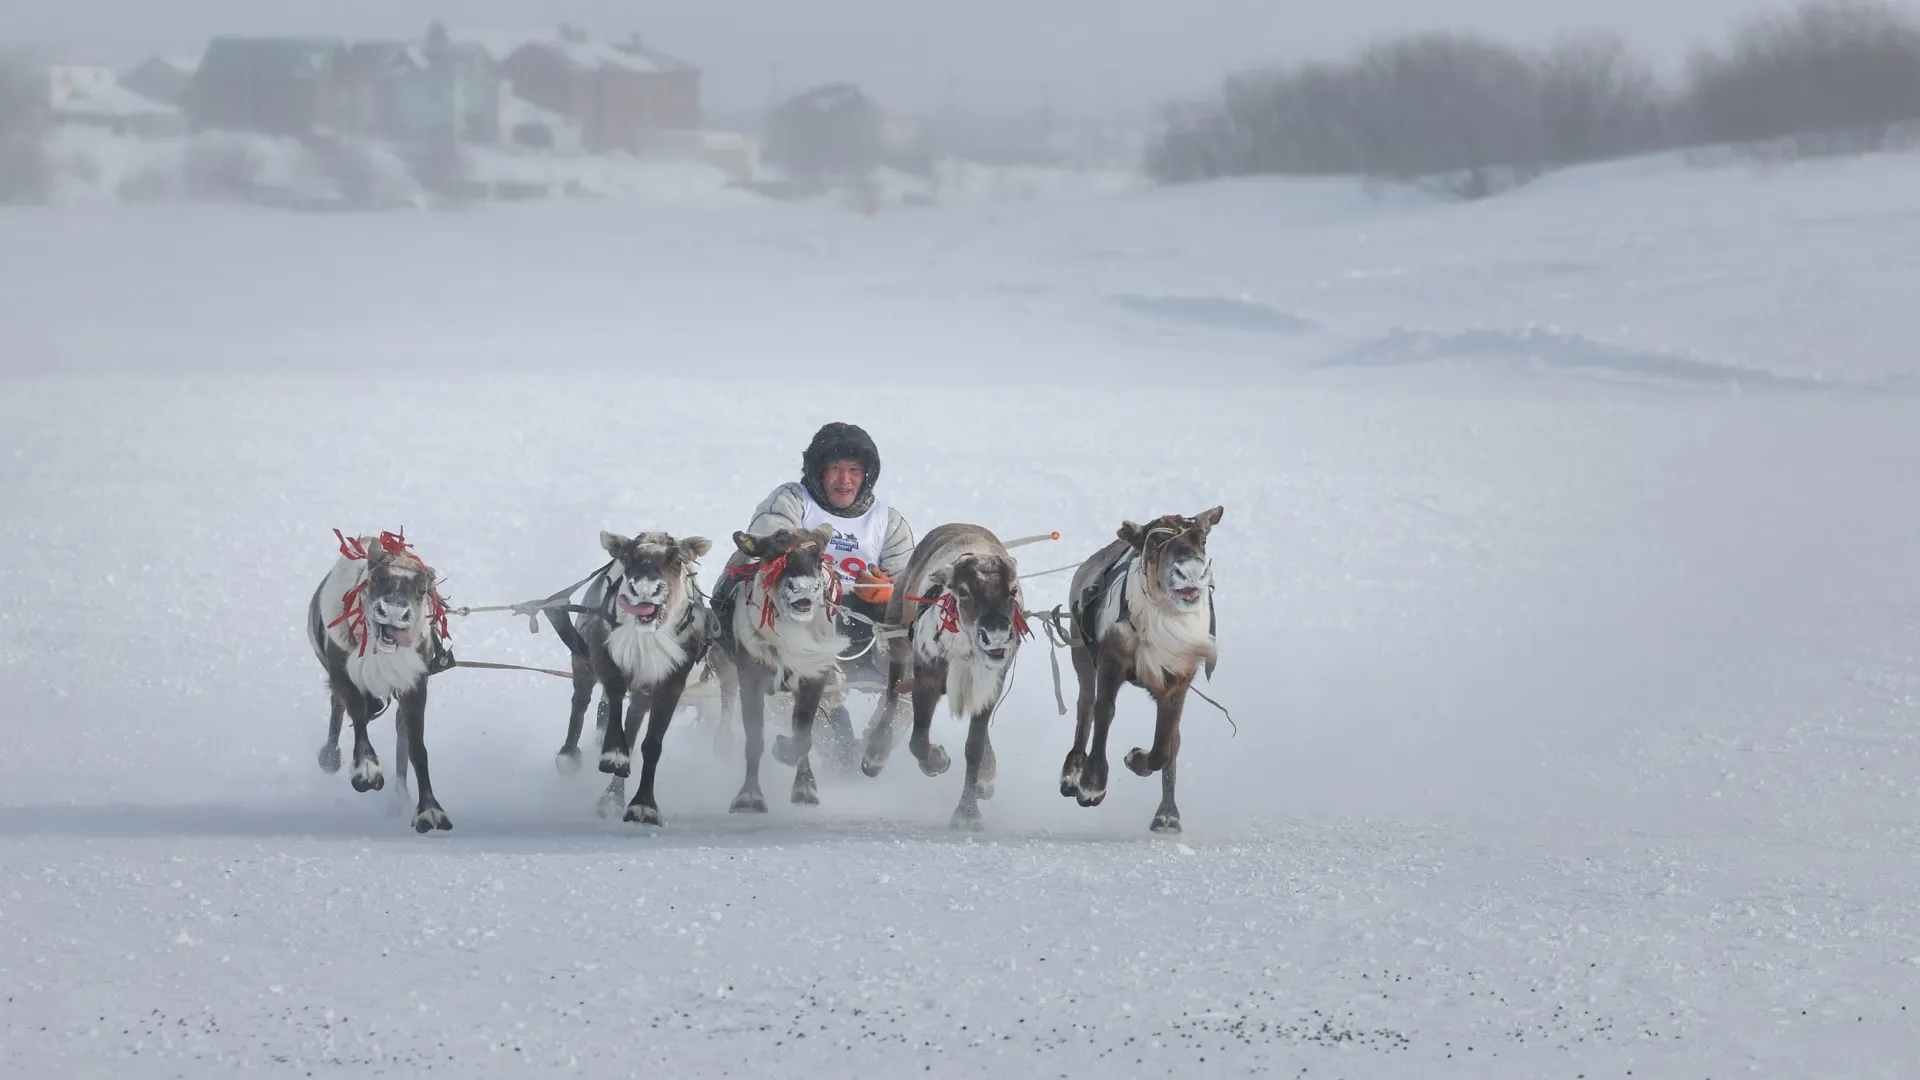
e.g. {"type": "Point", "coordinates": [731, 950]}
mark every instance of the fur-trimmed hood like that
{"type": "Point", "coordinates": [840, 442]}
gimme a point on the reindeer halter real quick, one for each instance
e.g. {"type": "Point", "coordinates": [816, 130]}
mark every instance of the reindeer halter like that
{"type": "Point", "coordinates": [772, 570]}
{"type": "Point", "coordinates": [353, 601]}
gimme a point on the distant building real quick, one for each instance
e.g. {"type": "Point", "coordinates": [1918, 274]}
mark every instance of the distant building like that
{"type": "Point", "coordinates": [274, 86]}
{"type": "Point", "coordinates": [620, 93]}
{"type": "Point", "coordinates": [436, 91]}
{"type": "Point", "coordinates": [526, 125]}
{"type": "Point", "coordinates": [35, 92]}
{"type": "Point", "coordinates": [162, 78]}
{"type": "Point", "coordinates": [119, 110]}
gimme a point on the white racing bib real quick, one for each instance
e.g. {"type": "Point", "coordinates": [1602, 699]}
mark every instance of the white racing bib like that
{"type": "Point", "coordinates": [856, 543]}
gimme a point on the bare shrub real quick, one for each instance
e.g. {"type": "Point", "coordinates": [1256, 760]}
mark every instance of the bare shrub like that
{"type": "Point", "coordinates": [1598, 101]}
{"type": "Point", "coordinates": [1461, 112]}
{"type": "Point", "coordinates": [1827, 78]}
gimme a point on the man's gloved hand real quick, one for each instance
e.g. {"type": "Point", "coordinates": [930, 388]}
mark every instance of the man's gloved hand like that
{"type": "Point", "coordinates": [873, 586]}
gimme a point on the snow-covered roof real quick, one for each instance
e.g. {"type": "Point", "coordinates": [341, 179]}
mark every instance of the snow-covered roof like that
{"type": "Point", "coordinates": [112, 100]}
{"type": "Point", "coordinates": [581, 52]}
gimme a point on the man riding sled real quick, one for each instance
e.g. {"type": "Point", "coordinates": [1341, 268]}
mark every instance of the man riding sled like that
{"type": "Point", "coordinates": [872, 544]}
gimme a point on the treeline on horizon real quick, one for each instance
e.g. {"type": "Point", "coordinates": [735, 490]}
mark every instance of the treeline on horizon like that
{"type": "Point", "coordinates": [1474, 116]}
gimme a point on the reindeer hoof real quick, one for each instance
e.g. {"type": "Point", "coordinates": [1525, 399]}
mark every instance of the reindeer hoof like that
{"type": "Point", "coordinates": [1166, 821]}
{"type": "Point", "coordinates": [430, 818]}
{"type": "Point", "coordinates": [367, 775]}
{"type": "Point", "coordinates": [966, 817]}
{"type": "Point", "coordinates": [1138, 760]}
{"type": "Point", "coordinates": [936, 761]}
{"type": "Point", "coordinates": [871, 766]}
{"type": "Point", "coordinates": [1070, 774]}
{"type": "Point", "coordinates": [617, 763]}
{"type": "Point", "coordinates": [330, 759]}
{"type": "Point", "coordinates": [643, 815]}
{"type": "Point", "coordinates": [787, 750]}
{"type": "Point", "coordinates": [567, 761]}
{"type": "Point", "coordinates": [1093, 782]}
{"type": "Point", "coordinates": [748, 802]}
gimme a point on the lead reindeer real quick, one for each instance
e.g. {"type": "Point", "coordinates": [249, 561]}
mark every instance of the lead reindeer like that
{"type": "Point", "coordinates": [1142, 614]}
{"type": "Point", "coordinates": [646, 631]}
{"type": "Point", "coordinates": [782, 632]}
{"type": "Point", "coordinates": [959, 602]}
{"type": "Point", "coordinates": [376, 624]}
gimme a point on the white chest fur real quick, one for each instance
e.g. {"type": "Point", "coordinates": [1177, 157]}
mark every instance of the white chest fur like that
{"type": "Point", "coordinates": [974, 683]}
{"type": "Point", "coordinates": [647, 655]}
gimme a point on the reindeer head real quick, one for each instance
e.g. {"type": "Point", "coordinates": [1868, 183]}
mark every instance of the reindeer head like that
{"type": "Point", "coordinates": [649, 575]}
{"type": "Point", "coordinates": [1173, 552]}
{"type": "Point", "coordinates": [801, 589]}
{"type": "Point", "coordinates": [986, 593]}
{"type": "Point", "coordinates": [395, 600]}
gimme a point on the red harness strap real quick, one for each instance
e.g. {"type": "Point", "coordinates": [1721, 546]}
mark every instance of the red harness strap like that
{"type": "Point", "coordinates": [770, 573]}
{"type": "Point", "coordinates": [949, 610]}
{"type": "Point", "coordinates": [950, 615]}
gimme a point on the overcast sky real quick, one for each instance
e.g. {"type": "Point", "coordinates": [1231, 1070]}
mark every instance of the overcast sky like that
{"type": "Point", "coordinates": [908, 52]}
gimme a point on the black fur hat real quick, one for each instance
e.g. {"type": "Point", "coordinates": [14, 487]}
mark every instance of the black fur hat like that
{"type": "Point", "coordinates": [840, 442]}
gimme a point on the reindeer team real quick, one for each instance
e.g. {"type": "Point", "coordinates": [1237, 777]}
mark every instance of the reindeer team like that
{"type": "Point", "coordinates": [1140, 613]}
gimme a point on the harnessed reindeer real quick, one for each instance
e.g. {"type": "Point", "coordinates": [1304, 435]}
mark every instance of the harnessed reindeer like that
{"type": "Point", "coordinates": [645, 629]}
{"type": "Point", "coordinates": [376, 624]}
{"type": "Point", "coordinates": [959, 603]}
{"type": "Point", "coordinates": [782, 631]}
{"type": "Point", "coordinates": [1142, 612]}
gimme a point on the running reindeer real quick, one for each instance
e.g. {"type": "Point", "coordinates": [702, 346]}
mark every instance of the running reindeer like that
{"type": "Point", "coordinates": [781, 631]}
{"type": "Point", "coordinates": [644, 628]}
{"type": "Point", "coordinates": [377, 625]}
{"type": "Point", "coordinates": [1142, 612]}
{"type": "Point", "coordinates": [959, 602]}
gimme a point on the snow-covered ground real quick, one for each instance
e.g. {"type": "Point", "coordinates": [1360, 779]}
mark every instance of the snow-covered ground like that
{"type": "Point", "coordinates": [1568, 607]}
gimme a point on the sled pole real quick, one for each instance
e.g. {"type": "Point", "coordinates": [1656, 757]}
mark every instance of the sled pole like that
{"type": "Point", "coordinates": [1025, 540]}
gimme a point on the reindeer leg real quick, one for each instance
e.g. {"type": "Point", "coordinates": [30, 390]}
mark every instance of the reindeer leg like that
{"type": "Point", "coordinates": [753, 716]}
{"type": "Point", "coordinates": [879, 741]}
{"type": "Point", "coordinates": [400, 762]}
{"type": "Point", "coordinates": [967, 814]}
{"type": "Point", "coordinates": [330, 750]}
{"type": "Point", "coordinates": [1084, 671]}
{"type": "Point", "coordinates": [1167, 818]}
{"type": "Point", "coordinates": [989, 771]}
{"type": "Point", "coordinates": [366, 774]}
{"type": "Point", "coordinates": [806, 703]}
{"type": "Point", "coordinates": [1166, 749]}
{"type": "Point", "coordinates": [723, 736]}
{"type": "Point", "coordinates": [666, 698]}
{"type": "Point", "coordinates": [929, 685]}
{"type": "Point", "coordinates": [613, 742]}
{"type": "Point", "coordinates": [1093, 775]}
{"type": "Point", "coordinates": [568, 759]}
{"type": "Point", "coordinates": [633, 715]}
{"type": "Point", "coordinates": [1166, 730]}
{"type": "Point", "coordinates": [790, 750]}
{"type": "Point", "coordinates": [427, 816]}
